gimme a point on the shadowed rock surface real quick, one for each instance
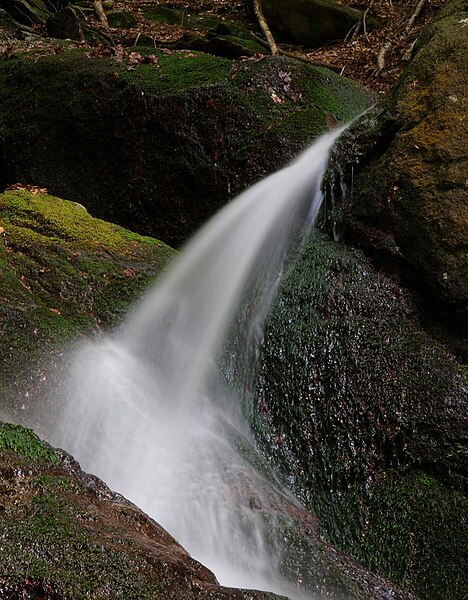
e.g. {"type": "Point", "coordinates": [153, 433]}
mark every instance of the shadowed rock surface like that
{"type": "Point", "coordinates": [158, 142]}
{"type": "Point", "coordinates": [404, 167]}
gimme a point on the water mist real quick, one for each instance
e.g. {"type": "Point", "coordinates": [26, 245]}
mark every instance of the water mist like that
{"type": "Point", "coordinates": [149, 409]}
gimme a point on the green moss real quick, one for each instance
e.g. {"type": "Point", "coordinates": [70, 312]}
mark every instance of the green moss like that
{"type": "Point", "coordinates": [63, 274]}
{"type": "Point", "coordinates": [410, 529]}
{"type": "Point", "coordinates": [351, 400]}
{"type": "Point", "coordinates": [22, 441]}
{"type": "Point", "coordinates": [179, 71]}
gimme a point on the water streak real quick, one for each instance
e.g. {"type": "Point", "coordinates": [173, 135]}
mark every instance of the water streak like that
{"type": "Point", "coordinates": [148, 409]}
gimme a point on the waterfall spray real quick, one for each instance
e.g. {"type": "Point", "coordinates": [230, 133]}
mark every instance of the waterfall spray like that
{"type": "Point", "coordinates": [148, 409]}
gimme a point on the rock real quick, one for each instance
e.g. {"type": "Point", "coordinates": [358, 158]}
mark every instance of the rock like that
{"type": "Point", "coordinates": [9, 27]}
{"type": "Point", "coordinates": [27, 12]}
{"type": "Point", "coordinates": [60, 281]}
{"type": "Point", "coordinates": [366, 416]}
{"type": "Point", "coordinates": [122, 19]}
{"type": "Point", "coordinates": [70, 24]}
{"type": "Point", "coordinates": [66, 24]}
{"type": "Point", "coordinates": [169, 139]}
{"type": "Point", "coordinates": [66, 535]}
{"type": "Point", "coordinates": [408, 160]}
{"type": "Point", "coordinates": [313, 23]}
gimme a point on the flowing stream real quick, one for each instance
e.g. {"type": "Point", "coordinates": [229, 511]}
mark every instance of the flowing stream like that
{"type": "Point", "coordinates": [150, 409]}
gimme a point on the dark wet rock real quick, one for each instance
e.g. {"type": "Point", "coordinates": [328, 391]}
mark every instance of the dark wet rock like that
{"type": "Point", "coordinates": [159, 141]}
{"type": "Point", "coordinates": [65, 534]}
{"type": "Point", "coordinates": [313, 23]}
{"type": "Point", "coordinates": [366, 416]}
{"type": "Point", "coordinates": [404, 167]}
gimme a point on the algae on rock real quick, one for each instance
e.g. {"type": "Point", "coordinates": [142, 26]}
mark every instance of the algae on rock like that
{"type": "Point", "coordinates": [365, 415]}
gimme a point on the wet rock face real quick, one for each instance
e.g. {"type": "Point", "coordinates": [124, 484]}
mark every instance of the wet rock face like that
{"type": "Point", "coordinates": [366, 417]}
{"type": "Point", "coordinates": [66, 535]}
{"type": "Point", "coordinates": [405, 164]}
{"type": "Point", "coordinates": [160, 143]}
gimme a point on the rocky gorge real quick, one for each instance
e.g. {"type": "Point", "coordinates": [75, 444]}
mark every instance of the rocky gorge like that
{"type": "Point", "coordinates": [358, 397]}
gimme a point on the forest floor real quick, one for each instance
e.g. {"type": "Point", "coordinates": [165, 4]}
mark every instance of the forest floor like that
{"type": "Point", "coordinates": [374, 59]}
{"type": "Point", "coordinates": [356, 57]}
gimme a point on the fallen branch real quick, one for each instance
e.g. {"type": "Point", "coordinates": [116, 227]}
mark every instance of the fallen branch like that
{"type": "Point", "coordinates": [415, 15]}
{"type": "Point", "coordinates": [386, 47]}
{"type": "Point", "coordinates": [362, 22]}
{"type": "Point", "coordinates": [100, 13]}
{"type": "Point", "coordinates": [264, 27]}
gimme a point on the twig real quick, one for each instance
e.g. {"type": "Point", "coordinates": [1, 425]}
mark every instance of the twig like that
{"type": "Point", "coordinates": [101, 15]}
{"type": "Point", "coordinates": [362, 22]}
{"type": "Point", "coordinates": [381, 56]}
{"type": "Point", "coordinates": [386, 47]}
{"type": "Point", "coordinates": [264, 27]}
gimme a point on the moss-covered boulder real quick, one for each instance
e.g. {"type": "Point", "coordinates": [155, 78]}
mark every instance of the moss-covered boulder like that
{"type": "Point", "coordinates": [62, 274]}
{"type": "Point", "coordinates": [366, 417]}
{"type": "Point", "coordinates": [27, 12]}
{"type": "Point", "coordinates": [66, 535]}
{"type": "Point", "coordinates": [313, 23]}
{"type": "Point", "coordinates": [404, 166]}
{"type": "Point", "coordinates": [158, 141]}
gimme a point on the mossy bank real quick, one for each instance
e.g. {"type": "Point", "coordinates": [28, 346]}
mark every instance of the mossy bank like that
{"type": "Point", "coordinates": [158, 140]}
{"type": "Point", "coordinates": [63, 274]}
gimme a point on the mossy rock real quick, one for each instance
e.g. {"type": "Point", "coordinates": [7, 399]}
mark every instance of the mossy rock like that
{"type": "Point", "coordinates": [27, 12]}
{"type": "Point", "coordinates": [313, 23]}
{"type": "Point", "coordinates": [158, 145]}
{"type": "Point", "coordinates": [122, 19]}
{"type": "Point", "coordinates": [62, 274]}
{"type": "Point", "coordinates": [66, 535]}
{"type": "Point", "coordinates": [209, 33]}
{"type": "Point", "coordinates": [405, 166]}
{"type": "Point", "coordinates": [359, 408]}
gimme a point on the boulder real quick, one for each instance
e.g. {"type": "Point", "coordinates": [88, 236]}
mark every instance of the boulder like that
{"type": "Point", "coordinates": [65, 534]}
{"type": "Point", "coordinates": [313, 23]}
{"type": "Point", "coordinates": [158, 141]}
{"type": "Point", "coordinates": [27, 12]}
{"type": "Point", "coordinates": [365, 415]}
{"type": "Point", "coordinates": [122, 19]}
{"type": "Point", "coordinates": [66, 24]}
{"type": "Point", "coordinates": [404, 167]}
{"type": "Point", "coordinates": [62, 274]}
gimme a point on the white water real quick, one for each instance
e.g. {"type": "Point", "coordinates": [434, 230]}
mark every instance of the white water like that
{"type": "Point", "coordinates": [149, 412]}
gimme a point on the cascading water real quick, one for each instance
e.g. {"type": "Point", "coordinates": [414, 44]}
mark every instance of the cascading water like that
{"type": "Point", "coordinates": [149, 410]}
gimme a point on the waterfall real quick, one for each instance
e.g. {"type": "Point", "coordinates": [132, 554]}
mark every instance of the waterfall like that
{"type": "Point", "coordinates": [150, 409]}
